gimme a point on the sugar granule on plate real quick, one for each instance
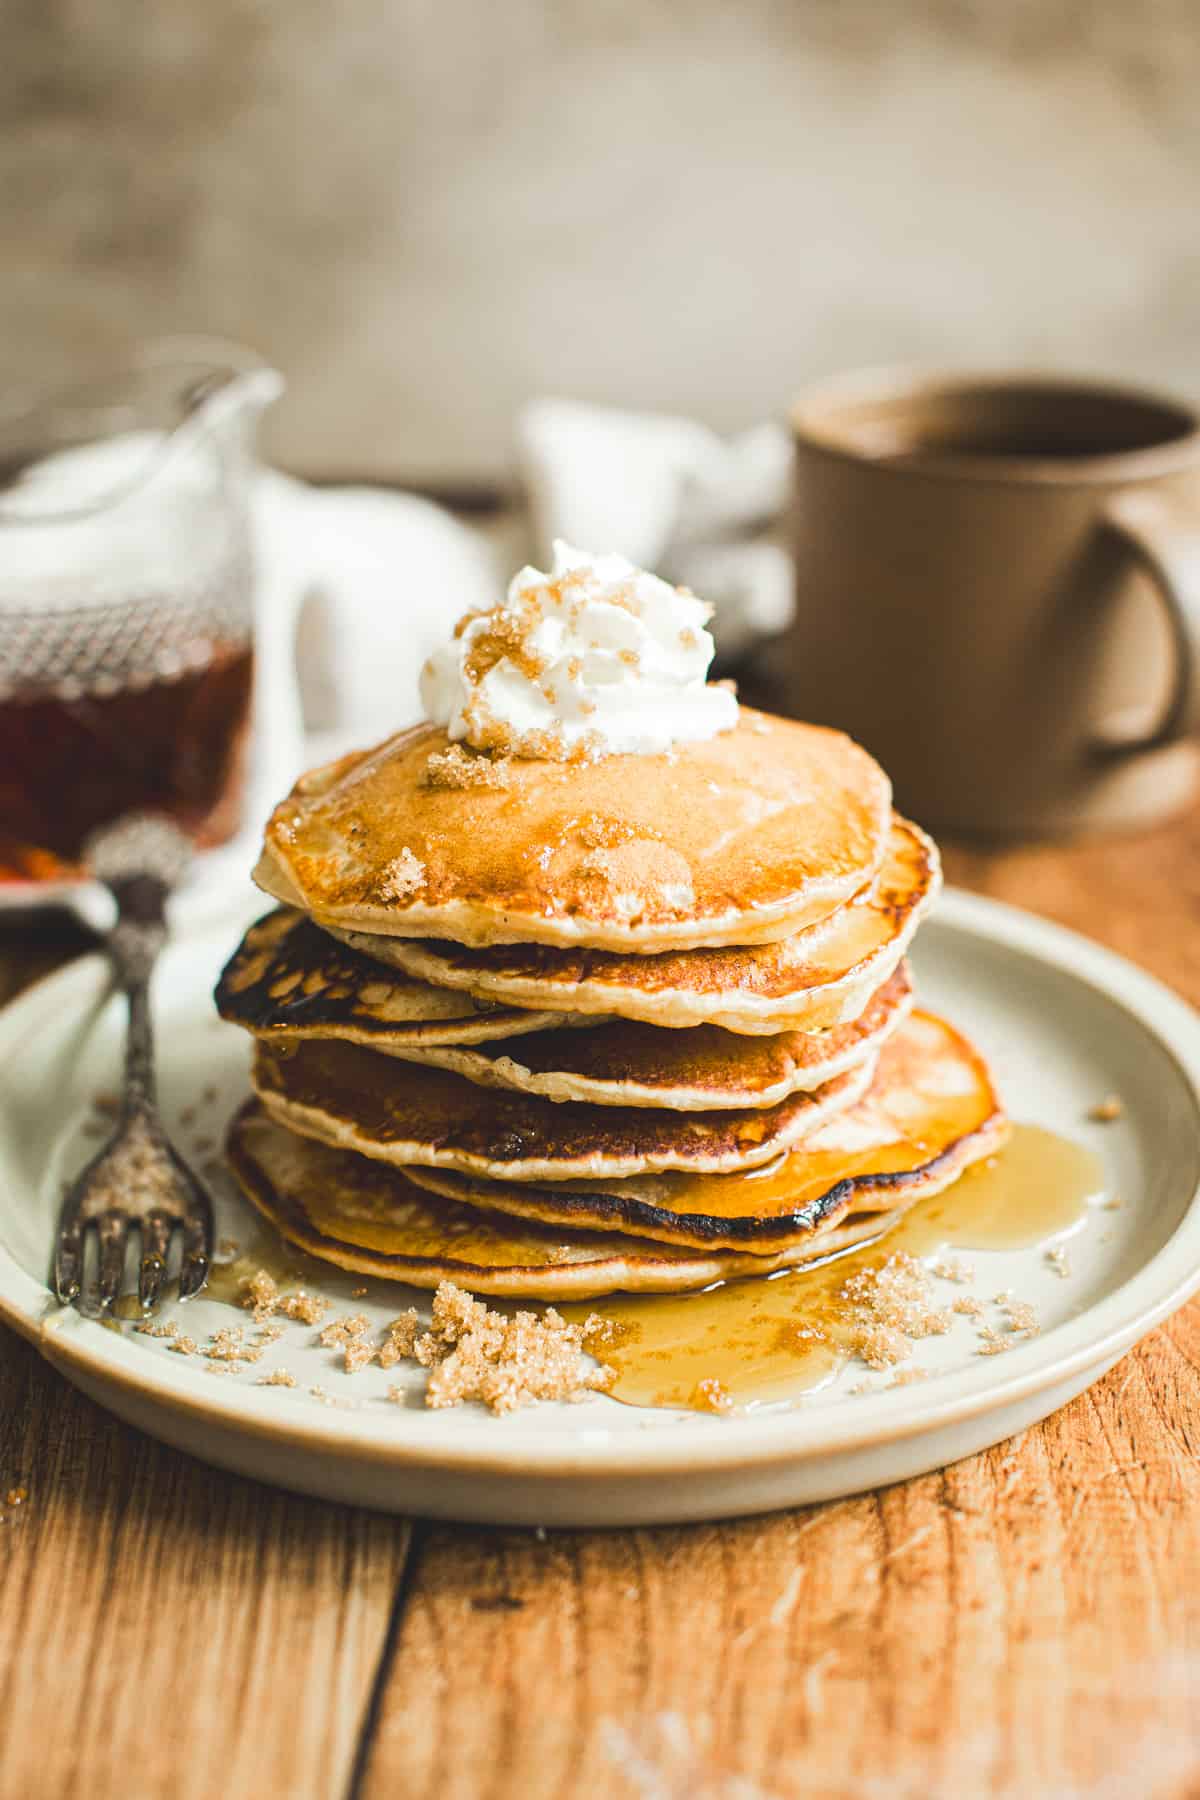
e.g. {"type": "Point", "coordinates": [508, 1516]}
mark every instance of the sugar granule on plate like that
{"type": "Point", "coordinates": [882, 1346]}
{"type": "Point", "coordinates": [302, 1307]}
{"type": "Point", "coordinates": [970, 1305]}
{"type": "Point", "coordinates": [229, 1345]}
{"type": "Point", "coordinates": [278, 1378]}
{"type": "Point", "coordinates": [993, 1342]}
{"type": "Point", "coordinates": [261, 1296]}
{"type": "Point", "coordinates": [953, 1268]}
{"type": "Point", "coordinates": [1106, 1110]}
{"type": "Point", "coordinates": [1059, 1261]}
{"type": "Point", "coordinates": [343, 1331]}
{"type": "Point", "coordinates": [1021, 1316]}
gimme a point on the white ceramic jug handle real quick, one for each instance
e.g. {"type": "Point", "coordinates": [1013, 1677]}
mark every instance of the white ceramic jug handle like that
{"type": "Point", "coordinates": [1167, 547]}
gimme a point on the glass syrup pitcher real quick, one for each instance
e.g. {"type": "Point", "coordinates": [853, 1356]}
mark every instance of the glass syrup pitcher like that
{"type": "Point", "coordinates": [127, 602]}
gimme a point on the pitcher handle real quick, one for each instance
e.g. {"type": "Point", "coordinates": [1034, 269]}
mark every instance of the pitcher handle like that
{"type": "Point", "coordinates": [1167, 548]}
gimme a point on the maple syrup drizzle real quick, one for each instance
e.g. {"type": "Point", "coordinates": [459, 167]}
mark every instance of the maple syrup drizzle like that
{"type": "Point", "coordinates": [750, 1336]}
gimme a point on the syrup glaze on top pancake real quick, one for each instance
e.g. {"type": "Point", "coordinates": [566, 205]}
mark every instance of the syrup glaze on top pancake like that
{"type": "Point", "coordinates": [351, 1097]}
{"type": "Point", "coordinates": [624, 1063]}
{"type": "Point", "coordinates": [932, 1109]}
{"type": "Point", "coordinates": [762, 829]}
{"type": "Point", "coordinates": [819, 977]}
{"type": "Point", "coordinates": [289, 980]}
{"type": "Point", "coordinates": [370, 1219]}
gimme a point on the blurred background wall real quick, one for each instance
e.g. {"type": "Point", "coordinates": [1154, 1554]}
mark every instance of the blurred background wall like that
{"type": "Point", "coordinates": [426, 211]}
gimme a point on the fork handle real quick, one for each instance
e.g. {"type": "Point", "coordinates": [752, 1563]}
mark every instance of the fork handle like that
{"type": "Point", "coordinates": [133, 945]}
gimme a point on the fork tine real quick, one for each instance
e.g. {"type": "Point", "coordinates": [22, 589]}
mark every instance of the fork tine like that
{"type": "Point", "coordinates": [197, 1246]}
{"type": "Point", "coordinates": [68, 1243]}
{"type": "Point", "coordinates": [68, 1257]}
{"type": "Point", "coordinates": [156, 1237]}
{"type": "Point", "coordinates": [113, 1231]}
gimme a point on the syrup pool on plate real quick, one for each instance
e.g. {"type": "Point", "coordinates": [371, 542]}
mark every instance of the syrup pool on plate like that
{"type": "Point", "coordinates": [777, 1338]}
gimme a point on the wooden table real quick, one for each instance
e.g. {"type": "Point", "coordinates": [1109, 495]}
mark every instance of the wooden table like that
{"type": "Point", "coordinates": [1026, 1623]}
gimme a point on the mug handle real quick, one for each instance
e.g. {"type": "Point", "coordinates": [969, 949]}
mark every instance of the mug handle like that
{"type": "Point", "coordinates": [1167, 548]}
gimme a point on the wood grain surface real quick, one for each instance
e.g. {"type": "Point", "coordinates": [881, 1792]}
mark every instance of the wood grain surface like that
{"type": "Point", "coordinates": [1024, 1624]}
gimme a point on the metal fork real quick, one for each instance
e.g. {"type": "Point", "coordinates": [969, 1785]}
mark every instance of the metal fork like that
{"type": "Point", "coordinates": [138, 1181]}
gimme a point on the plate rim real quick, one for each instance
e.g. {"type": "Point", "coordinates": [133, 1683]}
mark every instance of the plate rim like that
{"type": "Point", "coordinates": [698, 1446]}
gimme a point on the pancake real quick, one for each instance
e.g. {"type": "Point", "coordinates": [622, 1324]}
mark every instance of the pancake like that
{"type": "Point", "coordinates": [931, 1111]}
{"type": "Point", "coordinates": [819, 977]}
{"type": "Point", "coordinates": [759, 831]}
{"type": "Point", "coordinates": [371, 1220]}
{"type": "Point", "coordinates": [289, 981]}
{"type": "Point", "coordinates": [350, 1097]}
{"type": "Point", "coordinates": [624, 1063]}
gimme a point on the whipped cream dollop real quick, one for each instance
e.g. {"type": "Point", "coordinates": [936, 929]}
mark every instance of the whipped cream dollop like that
{"type": "Point", "coordinates": [595, 658]}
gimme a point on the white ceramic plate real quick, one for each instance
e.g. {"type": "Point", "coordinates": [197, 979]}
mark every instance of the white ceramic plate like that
{"type": "Point", "coordinates": [1065, 1023]}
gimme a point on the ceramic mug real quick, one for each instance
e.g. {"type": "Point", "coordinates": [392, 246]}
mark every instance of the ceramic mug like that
{"type": "Point", "coordinates": [998, 592]}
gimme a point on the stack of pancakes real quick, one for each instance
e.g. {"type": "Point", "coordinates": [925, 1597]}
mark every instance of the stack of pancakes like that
{"type": "Point", "coordinates": [560, 1028]}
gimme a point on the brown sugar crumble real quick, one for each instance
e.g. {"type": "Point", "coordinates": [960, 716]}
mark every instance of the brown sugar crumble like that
{"type": "Point", "coordinates": [259, 1294]}
{"type": "Point", "coordinates": [890, 1308]}
{"type": "Point", "coordinates": [455, 767]}
{"type": "Point", "coordinates": [400, 1339]}
{"type": "Point", "coordinates": [473, 1353]}
{"type": "Point", "coordinates": [403, 877]}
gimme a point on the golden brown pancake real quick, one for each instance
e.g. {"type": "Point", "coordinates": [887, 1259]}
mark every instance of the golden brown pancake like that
{"type": "Point", "coordinates": [759, 831]}
{"type": "Point", "coordinates": [357, 1100]}
{"type": "Point", "coordinates": [288, 980]}
{"type": "Point", "coordinates": [819, 977]}
{"type": "Point", "coordinates": [624, 1063]}
{"type": "Point", "coordinates": [371, 1220]}
{"type": "Point", "coordinates": [931, 1110]}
